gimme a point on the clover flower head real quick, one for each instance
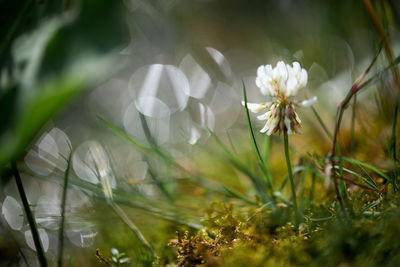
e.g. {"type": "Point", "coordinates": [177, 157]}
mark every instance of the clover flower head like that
{"type": "Point", "coordinates": [281, 84]}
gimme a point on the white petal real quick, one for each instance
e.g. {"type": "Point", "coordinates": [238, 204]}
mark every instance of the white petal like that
{"type": "Point", "coordinates": [12, 212]}
{"type": "Point", "coordinates": [297, 118]}
{"type": "Point", "coordinates": [291, 89]}
{"type": "Point", "coordinates": [296, 67]}
{"type": "Point", "coordinates": [268, 70]}
{"type": "Point", "coordinates": [273, 125]}
{"type": "Point", "coordinates": [309, 102]}
{"type": "Point", "coordinates": [43, 237]}
{"type": "Point", "coordinates": [258, 82]}
{"type": "Point", "coordinates": [264, 116]}
{"type": "Point", "coordinates": [263, 80]}
{"type": "Point", "coordinates": [282, 71]}
{"type": "Point", "coordinates": [261, 71]}
{"type": "Point", "coordinates": [287, 124]}
{"type": "Point", "coordinates": [265, 128]}
{"type": "Point", "coordinates": [276, 72]}
{"type": "Point", "coordinates": [262, 85]}
{"type": "Point", "coordinates": [254, 107]}
{"type": "Point", "coordinates": [303, 78]}
{"type": "Point", "coordinates": [297, 129]}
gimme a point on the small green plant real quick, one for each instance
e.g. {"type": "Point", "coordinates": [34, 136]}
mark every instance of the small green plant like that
{"type": "Point", "coordinates": [119, 258]}
{"type": "Point", "coordinates": [281, 84]}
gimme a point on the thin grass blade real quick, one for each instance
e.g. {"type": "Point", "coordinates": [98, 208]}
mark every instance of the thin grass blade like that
{"type": "Point", "coordinates": [370, 206]}
{"type": "Point", "coordinates": [63, 203]}
{"type": "Point", "coordinates": [238, 195]}
{"type": "Point", "coordinates": [31, 220]}
{"type": "Point", "coordinates": [254, 143]}
{"type": "Point", "coordinates": [121, 133]}
{"type": "Point", "coordinates": [368, 166]}
{"type": "Point", "coordinates": [321, 122]}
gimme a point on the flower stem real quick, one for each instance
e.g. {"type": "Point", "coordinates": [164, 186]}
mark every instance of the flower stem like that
{"type": "Point", "coordinates": [290, 174]}
{"type": "Point", "coordinates": [29, 216]}
{"type": "Point", "coordinates": [330, 164]}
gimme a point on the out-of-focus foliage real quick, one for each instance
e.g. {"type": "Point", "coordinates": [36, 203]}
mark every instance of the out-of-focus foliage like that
{"type": "Point", "coordinates": [49, 52]}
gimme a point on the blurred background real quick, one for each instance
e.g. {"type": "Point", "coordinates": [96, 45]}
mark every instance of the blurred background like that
{"type": "Point", "coordinates": [167, 73]}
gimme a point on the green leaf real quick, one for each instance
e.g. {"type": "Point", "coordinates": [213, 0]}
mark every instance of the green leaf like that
{"type": "Point", "coordinates": [369, 166]}
{"type": "Point", "coordinates": [43, 106]}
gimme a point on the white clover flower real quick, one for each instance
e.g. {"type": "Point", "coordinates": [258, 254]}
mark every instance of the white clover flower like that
{"type": "Point", "coordinates": [281, 83]}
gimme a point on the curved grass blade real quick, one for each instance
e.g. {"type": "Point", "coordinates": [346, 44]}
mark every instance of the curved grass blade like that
{"type": "Point", "coordinates": [369, 176]}
{"type": "Point", "coordinates": [131, 140]}
{"type": "Point", "coordinates": [196, 179]}
{"type": "Point", "coordinates": [263, 207]}
{"type": "Point", "coordinates": [298, 169]}
{"type": "Point", "coordinates": [259, 186]}
{"type": "Point", "coordinates": [155, 146]}
{"type": "Point", "coordinates": [359, 176]}
{"type": "Point", "coordinates": [279, 195]}
{"type": "Point", "coordinates": [238, 195]}
{"type": "Point", "coordinates": [253, 140]}
{"type": "Point", "coordinates": [368, 166]}
{"type": "Point", "coordinates": [120, 212]}
{"type": "Point", "coordinates": [370, 206]}
{"type": "Point", "coordinates": [121, 197]}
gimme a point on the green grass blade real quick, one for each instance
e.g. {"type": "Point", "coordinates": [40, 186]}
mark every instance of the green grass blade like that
{"type": "Point", "coordinates": [321, 122]}
{"type": "Point", "coordinates": [121, 133]}
{"type": "Point", "coordinates": [62, 222]}
{"type": "Point", "coordinates": [290, 174]}
{"type": "Point", "coordinates": [238, 195]}
{"type": "Point", "coordinates": [368, 166]}
{"type": "Point", "coordinates": [267, 146]}
{"type": "Point", "coordinates": [267, 149]}
{"type": "Point", "coordinates": [254, 143]}
{"type": "Point", "coordinates": [133, 228]}
{"type": "Point", "coordinates": [263, 207]}
{"type": "Point", "coordinates": [258, 185]}
{"type": "Point", "coordinates": [157, 148]}
{"type": "Point", "coordinates": [360, 177]}
{"type": "Point", "coordinates": [368, 176]}
{"type": "Point", "coordinates": [160, 184]}
{"type": "Point", "coordinates": [121, 197]}
{"type": "Point", "coordinates": [136, 143]}
{"type": "Point", "coordinates": [197, 179]}
{"type": "Point", "coordinates": [31, 220]}
{"type": "Point", "coordinates": [71, 261]}
{"type": "Point", "coordinates": [370, 206]}
{"type": "Point", "coordinates": [298, 169]}
{"type": "Point", "coordinates": [343, 186]}
{"type": "Point", "coordinates": [146, 131]}
{"type": "Point", "coordinates": [279, 195]}
{"type": "Point", "coordinates": [230, 142]}
{"type": "Point", "coordinates": [394, 139]}
{"type": "Point", "coordinates": [311, 197]}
